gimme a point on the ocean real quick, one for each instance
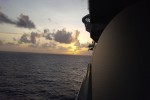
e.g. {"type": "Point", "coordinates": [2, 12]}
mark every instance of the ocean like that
{"type": "Point", "coordinates": [32, 76]}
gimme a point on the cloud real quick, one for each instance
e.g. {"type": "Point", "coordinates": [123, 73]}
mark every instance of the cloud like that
{"type": "Point", "coordinates": [76, 35]}
{"type": "Point", "coordinates": [5, 19]}
{"type": "Point", "coordinates": [48, 35]}
{"type": "Point", "coordinates": [81, 45]}
{"type": "Point", "coordinates": [62, 36]}
{"type": "Point", "coordinates": [24, 21]}
{"type": "Point", "coordinates": [46, 30]}
{"type": "Point", "coordinates": [65, 37]}
{"type": "Point", "coordinates": [1, 42]}
{"type": "Point", "coordinates": [37, 45]}
{"type": "Point", "coordinates": [59, 40]}
{"type": "Point", "coordinates": [29, 38]}
{"type": "Point", "coordinates": [49, 45]}
{"type": "Point", "coordinates": [34, 36]}
{"type": "Point", "coordinates": [25, 38]}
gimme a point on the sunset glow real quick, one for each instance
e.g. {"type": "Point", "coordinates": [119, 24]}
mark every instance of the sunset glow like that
{"type": "Point", "coordinates": [50, 26]}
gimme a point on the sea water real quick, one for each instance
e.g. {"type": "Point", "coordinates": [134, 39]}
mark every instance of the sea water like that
{"type": "Point", "coordinates": [30, 76]}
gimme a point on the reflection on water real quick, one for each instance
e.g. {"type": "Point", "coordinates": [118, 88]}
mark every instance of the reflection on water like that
{"type": "Point", "coordinates": [26, 76]}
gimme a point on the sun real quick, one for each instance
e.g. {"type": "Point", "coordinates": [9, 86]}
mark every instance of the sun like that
{"type": "Point", "coordinates": [73, 49]}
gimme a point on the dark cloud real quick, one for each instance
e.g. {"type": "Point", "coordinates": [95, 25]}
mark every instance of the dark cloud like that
{"type": "Point", "coordinates": [34, 36]}
{"type": "Point", "coordinates": [25, 38]}
{"type": "Point", "coordinates": [49, 37]}
{"type": "Point", "coordinates": [46, 31]}
{"type": "Point", "coordinates": [62, 36]}
{"type": "Point", "coordinates": [29, 38]}
{"type": "Point", "coordinates": [47, 34]}
{"type": "Point", "coordinates": [24, 21]}
{"type": "Point", "coordinates": [5, 19]}
{"type": "Point", "coordinates": [76, 35]}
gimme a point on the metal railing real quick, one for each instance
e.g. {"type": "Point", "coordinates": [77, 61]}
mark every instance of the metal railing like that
{"type": "Point", "coordinates": [85, 92]}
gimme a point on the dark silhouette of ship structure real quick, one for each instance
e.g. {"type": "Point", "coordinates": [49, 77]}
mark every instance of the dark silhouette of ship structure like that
{"type": "Point", "coordinates": [119, 69]}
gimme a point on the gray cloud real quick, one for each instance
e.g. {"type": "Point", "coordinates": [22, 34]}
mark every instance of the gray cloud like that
{"type": "Point", "coordinates": [48, 35]}
{"type": "Point", "coordinates": [29, 38]}
{"type": "Point", "coordinates": [46, 31]}
{"type": "Point", "coordinates": [62, 36]}
{"type": "Point", "coordinates": [23, 21]}
{"type": "Point", "coordinates": [76, 35]}
{"type": "Point", "coordinates": [77, 43]}
{"type": "Point", "coordinates": [5, 19]}
{"type": "Point", "coordinates": [34, 36]}
{"type": "Point", "coordinates": [25, 38]}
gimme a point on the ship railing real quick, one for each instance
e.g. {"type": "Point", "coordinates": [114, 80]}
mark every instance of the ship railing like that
{"type": "Point", "coordinates": [85, 92]}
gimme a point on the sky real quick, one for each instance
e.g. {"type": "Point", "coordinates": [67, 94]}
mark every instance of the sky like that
{"type": "Point", "coordinates": [44, 26]}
